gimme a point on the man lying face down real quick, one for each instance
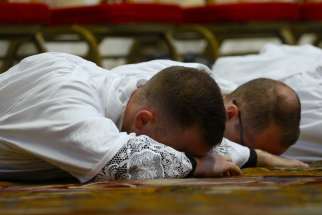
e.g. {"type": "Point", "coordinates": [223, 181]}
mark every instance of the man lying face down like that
{"type": "Point", "coordinates": [297, 66]}
{"type": "Point", "coordinates": [265, 114]}
{"type": "Point", "coordinates": [59, 116]}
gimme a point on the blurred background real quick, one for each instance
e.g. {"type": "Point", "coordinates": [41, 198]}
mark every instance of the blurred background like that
{"type": "Point", "coordinates": [112, 33]}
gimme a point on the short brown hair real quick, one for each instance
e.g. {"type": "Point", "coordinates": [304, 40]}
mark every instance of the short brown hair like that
{"type": "Point", "coordinates": [189, 97]}
{"type": "Point", "coordinates": [264, 101]}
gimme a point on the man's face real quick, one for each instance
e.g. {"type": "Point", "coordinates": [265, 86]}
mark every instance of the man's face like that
{"type": "Point", "coordinates": [268, 140]}
{"type": "Point", "coordinates": [237, 131]}
{"type": "Point", "coordinates": [187, 140]}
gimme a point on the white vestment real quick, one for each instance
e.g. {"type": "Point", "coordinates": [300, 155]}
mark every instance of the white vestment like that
{"type": "Point", "coordinates": [298, 66]}
{"type": "Point", "coordinates": [62, 114]}
{"type": "Point", "coordinates": [59, 110]}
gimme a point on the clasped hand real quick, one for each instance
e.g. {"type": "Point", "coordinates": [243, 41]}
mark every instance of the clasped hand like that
{"type": "Point", "coordinates": [214, 165]}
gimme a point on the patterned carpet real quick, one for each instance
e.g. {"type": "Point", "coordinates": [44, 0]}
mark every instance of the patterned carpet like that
{"type": "Point", "coordinates": [259, 191]}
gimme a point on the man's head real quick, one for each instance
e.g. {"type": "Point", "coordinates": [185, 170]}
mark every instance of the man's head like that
{"type": "Point", "coordinates": [263, 114]}
{"type": "Point", "coordinates": [181, 107]}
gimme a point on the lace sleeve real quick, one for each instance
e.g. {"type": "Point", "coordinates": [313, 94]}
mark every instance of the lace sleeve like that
{"type": "Point", "coordinates": [143, 158]}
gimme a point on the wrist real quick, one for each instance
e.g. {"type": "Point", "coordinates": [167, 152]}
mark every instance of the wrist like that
{"type": "Point", "coordinates": [252, 160]}
{"type": "Point", "coordinates": [194, 164]}
{"type": "Point", "coordinates": [197, 171]}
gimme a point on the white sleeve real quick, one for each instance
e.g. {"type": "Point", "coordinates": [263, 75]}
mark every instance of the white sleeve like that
{"type": "Point", "coordinates": [240, 155]}
{"type": "Point", "coordinates": [144, 158]}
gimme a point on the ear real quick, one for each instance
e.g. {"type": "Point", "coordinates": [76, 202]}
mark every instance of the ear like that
{"type": "Point", "coordinates": [143, 119]}
{"type": "Point", "coordinates": [232, 111]}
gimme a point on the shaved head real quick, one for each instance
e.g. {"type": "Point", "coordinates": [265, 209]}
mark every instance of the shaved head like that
{"type": "Point", "coordinates": [266, 103]}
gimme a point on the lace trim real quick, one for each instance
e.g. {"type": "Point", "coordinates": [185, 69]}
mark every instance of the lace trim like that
{"type": "Point", "coordinates": [143, 158]}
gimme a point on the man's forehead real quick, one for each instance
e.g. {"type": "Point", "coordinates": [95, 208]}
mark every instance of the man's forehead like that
{"type": "Point", "coordinates": [194, 140]}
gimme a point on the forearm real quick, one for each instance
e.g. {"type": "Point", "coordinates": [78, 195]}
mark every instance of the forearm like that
{"type": "Point", "coordinates": [143, 158]}
{"type": "Point", "coordinates": [245, 157]}
{"type": "Point", "coordinates": [265, 159]}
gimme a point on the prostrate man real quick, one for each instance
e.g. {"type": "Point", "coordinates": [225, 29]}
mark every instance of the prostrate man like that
{"type": "Point", "coordinates": [263, 111]}
{"type": "Point", "coordinates": [264, 114]}
{"type": "Point", "coordinates": [59, 117]}
{"type": "Point", "coordinates": [300, 68]}
{"type": "Point", "coordinates": [240, 155]}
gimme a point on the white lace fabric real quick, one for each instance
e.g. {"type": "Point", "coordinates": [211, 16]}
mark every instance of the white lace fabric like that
{"type": "Point", "coordinates": [144, 158]}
